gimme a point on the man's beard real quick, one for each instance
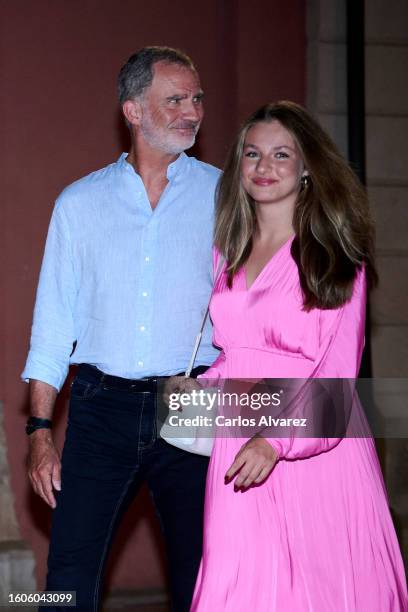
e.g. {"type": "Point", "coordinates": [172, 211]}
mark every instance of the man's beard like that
{"type": "Point", "coordinates": [167, 140]}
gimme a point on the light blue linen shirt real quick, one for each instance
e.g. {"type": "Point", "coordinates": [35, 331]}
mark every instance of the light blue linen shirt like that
{"type": "Point", "coordinates": [128, 284]}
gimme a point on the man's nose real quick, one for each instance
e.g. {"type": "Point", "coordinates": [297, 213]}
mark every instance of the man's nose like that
{"type": "Point", "coordinates": [193, 111]}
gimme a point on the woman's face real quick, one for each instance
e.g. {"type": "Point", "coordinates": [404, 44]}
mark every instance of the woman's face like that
{"type": "Point", "coordinates": [272, 165]}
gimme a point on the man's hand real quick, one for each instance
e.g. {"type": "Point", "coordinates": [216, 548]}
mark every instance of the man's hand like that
{"type": "Point", "coordinates": [252, 464]}
{"type": "Point", "coordinates": [44, 466]}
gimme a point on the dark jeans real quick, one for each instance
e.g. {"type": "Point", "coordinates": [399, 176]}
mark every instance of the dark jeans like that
{"type": "Point", "coordinates": [111, 448]}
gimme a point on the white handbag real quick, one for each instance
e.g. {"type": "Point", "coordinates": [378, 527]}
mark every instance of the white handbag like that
{"type": "Point", "coordinates": [199, 438]}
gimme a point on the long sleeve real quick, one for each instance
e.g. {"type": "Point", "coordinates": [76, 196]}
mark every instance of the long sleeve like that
{"type": "Point", "coordinates": [216, 370]}
{"type": "Point", "coordinates": [53, 333]}
{"type": "Point", "coordinates": [339, 356]}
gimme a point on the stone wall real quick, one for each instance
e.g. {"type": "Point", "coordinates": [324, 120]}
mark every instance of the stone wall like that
{"type": "Point", "coordinates": [386, 51]}
{"type": "Point", "coordinates": [387, 174]}
{"type": "Point", "coordinates": [326, 91]}
{"type": "Point", "coordinates": [16, 560]}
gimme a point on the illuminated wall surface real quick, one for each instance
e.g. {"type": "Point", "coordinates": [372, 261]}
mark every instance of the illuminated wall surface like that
{"type": "Point", "coordinates": [59, 121]}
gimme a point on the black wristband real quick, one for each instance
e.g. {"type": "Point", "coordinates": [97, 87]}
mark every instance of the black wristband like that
{"type": "Point", "coordinates": [35, 423]}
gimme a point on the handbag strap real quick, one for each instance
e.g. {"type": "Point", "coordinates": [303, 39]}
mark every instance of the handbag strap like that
{"type": "Point", "coordinates": [200, 333]}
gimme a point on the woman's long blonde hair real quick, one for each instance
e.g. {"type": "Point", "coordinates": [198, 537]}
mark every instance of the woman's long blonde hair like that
{"type": "Point", "coordinates": [332, 221]}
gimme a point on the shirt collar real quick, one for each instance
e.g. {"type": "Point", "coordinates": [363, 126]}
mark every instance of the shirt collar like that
{"type": "Point", "coordinates": [179, 165]}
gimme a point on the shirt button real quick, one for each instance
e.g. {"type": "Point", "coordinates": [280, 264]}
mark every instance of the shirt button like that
{"type": "Point", "coordinates": [144, 293]}
{"type": "Point", "coordinates": [142, 328]}
{"type": "Point", "coordinates": [147, 258]}
{"type": "Point", "coordinates": [140, 363]}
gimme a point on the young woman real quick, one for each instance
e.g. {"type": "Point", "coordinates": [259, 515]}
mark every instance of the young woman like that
{"type": "Point", "coordinates": [294, 524]}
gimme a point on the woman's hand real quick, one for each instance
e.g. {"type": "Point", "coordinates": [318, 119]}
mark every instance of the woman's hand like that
{"type": "Point", "coordinates": [252, 464]}
{"type": "Point", "coordinates": [179, 385]}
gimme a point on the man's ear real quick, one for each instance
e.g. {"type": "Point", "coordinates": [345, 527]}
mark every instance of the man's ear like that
{"type": "Point", "coordinates": [132, 111]}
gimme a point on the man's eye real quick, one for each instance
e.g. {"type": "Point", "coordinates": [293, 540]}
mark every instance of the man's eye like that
{"type": "Point", "coordinates": [174, 100]}
{"type": "Point", "coordinates": [198, 100]}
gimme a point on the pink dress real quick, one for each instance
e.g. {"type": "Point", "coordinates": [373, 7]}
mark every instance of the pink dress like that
{"type": "Point", "coordinates": [317, 535]}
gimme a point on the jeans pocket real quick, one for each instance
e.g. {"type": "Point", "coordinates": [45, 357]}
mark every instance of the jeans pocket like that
{"type": "Point", "coordinates": [84, 390]}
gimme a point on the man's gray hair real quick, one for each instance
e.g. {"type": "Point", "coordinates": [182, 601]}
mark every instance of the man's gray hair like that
{"type": "Point", "coordinates": [137, 74]}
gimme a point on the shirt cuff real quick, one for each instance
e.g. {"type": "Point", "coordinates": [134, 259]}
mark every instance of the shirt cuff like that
{"type": "Point", "coordinates": [37, 369]}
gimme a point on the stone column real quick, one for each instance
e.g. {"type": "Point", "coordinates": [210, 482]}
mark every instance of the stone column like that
{"type": "Point", "coordinates": [326, 86]}
{"type": "Point", "coordinates": [386, 47]}
{"type": "Point", "coordinates": [387, 162]}
{"type": "Point", "coordinates": [16, 559]}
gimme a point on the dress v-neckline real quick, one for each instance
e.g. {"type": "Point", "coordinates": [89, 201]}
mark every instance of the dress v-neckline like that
{"type": "Point", "coordinates": [268, 263]}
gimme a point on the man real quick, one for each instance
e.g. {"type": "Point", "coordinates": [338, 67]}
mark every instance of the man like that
{"type": "Point", "coordinates": [125, 279]}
